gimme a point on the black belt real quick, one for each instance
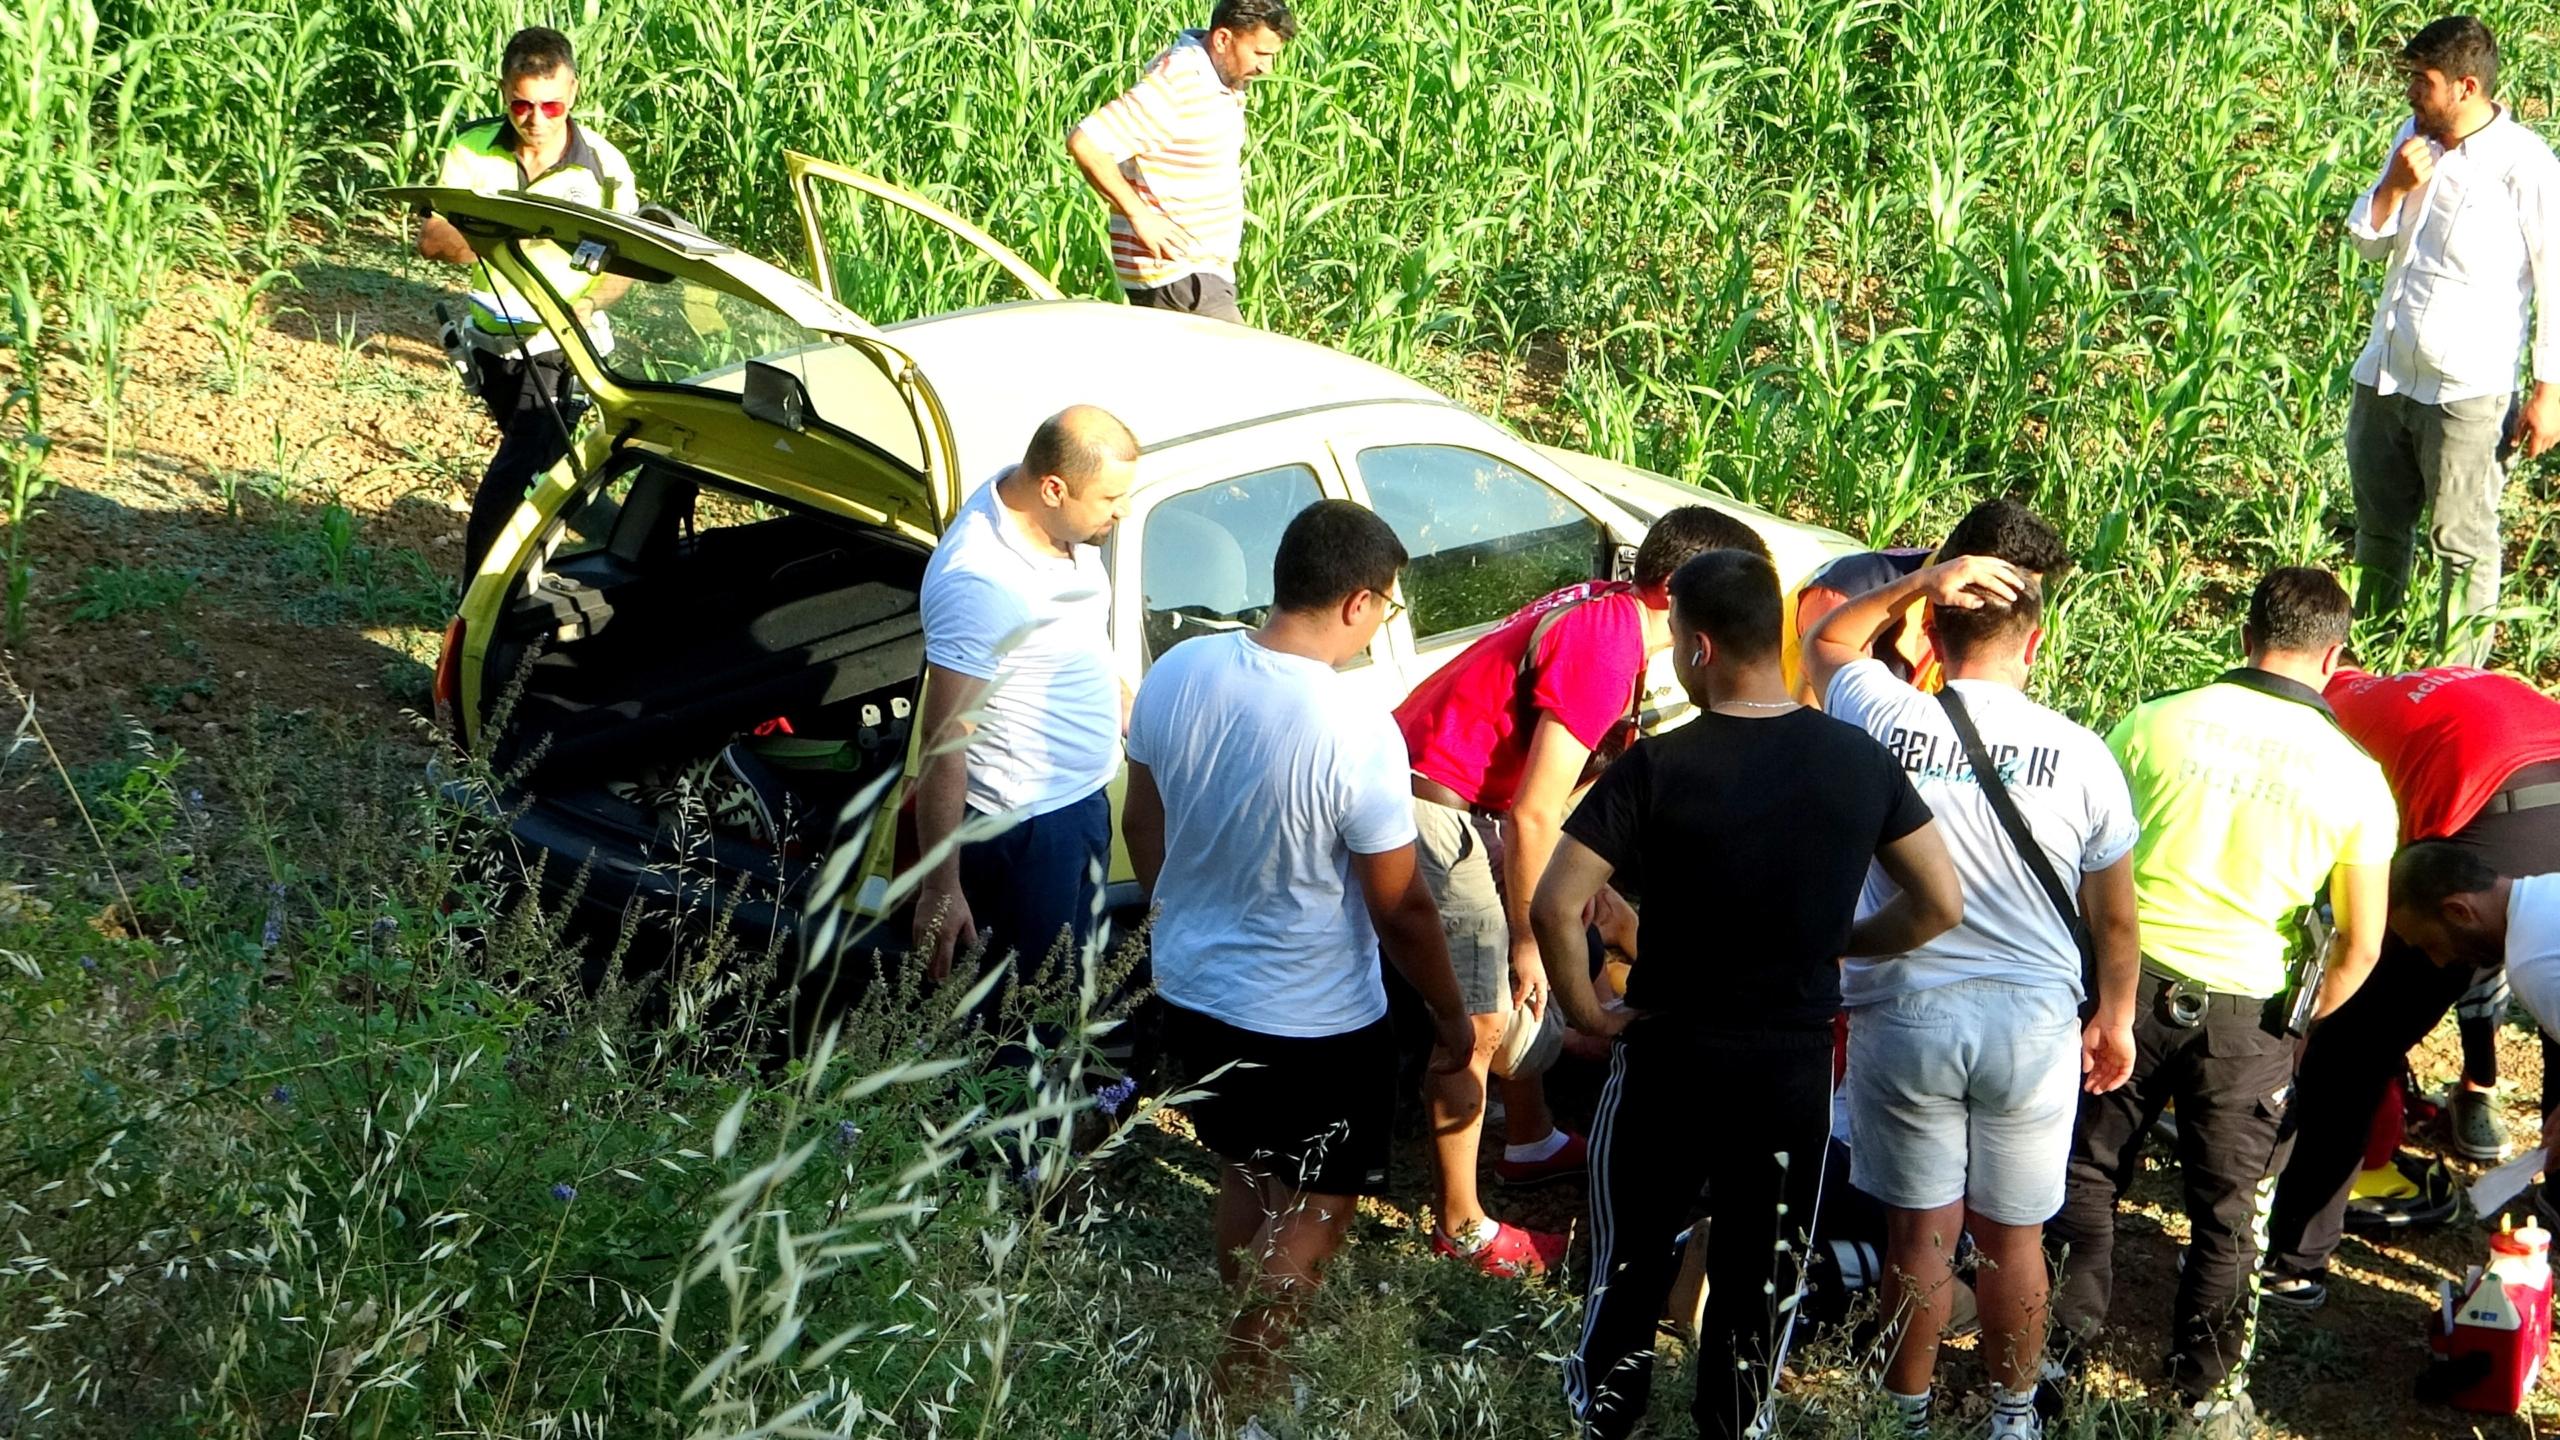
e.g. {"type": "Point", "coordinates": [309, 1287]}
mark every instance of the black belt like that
{"type": "Point", "coordinates": [2184, 1003]}
{"type": "Point", "coordinates": [2523, 797]}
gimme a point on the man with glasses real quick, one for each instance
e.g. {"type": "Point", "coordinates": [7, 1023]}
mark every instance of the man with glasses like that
{"type": "Point", "coordinates": [534, 149]}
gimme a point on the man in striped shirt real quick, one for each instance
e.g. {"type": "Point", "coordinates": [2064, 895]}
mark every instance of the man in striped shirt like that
{"type": "Point", "coordinates": [1168, 157]}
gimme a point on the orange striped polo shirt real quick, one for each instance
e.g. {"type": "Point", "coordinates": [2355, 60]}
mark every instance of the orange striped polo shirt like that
{"type": "Point", "coordinates": [1178, 135]}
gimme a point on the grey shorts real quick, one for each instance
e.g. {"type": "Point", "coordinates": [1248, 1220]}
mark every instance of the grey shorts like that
{"type": "Point", "coordinates": [1460, 874]}
{"type": "Point", "coordinates": [1966, 1092]}
{"type": "Point", "coordinates": [1198, 293]}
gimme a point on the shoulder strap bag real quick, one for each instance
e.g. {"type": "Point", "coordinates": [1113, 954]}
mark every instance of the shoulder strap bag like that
{"type": "Point", "coordinates": [1987, 774]}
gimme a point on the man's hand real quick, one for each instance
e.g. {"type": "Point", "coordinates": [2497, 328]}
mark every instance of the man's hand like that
{"type": "Point", "coordinates": [1455, 1042]}
{"type": "Point", "coordinates": [1158, 235]}
{"type": "Point", "coordinates": [944, 911]}
{"type": "Point", "coordinates": [2106, 1054]}
{"type": "Point", "coordinates": [2411, 167]}
{"type": "Point", "coordinates": [2538, 422]}
{"type": "Point", "coordinates": [1528, 977]}
{"type": "Point", "coordinates": [1970, 582]}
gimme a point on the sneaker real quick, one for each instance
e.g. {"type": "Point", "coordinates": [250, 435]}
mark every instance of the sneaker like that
{"type": "Point", "coordinates": [1510, 1251]}
{"type": "Point", "coordinates": [2294, 1292]}
{"type": "Point", "coordinates": [2477, 1135]}
{"type": "Point", "coordinates": [2232, 1419]}
{"type": "Point", "coordinates": [1570, 1160]}
{"type": "Point", "coordinates": [2016, 1425]}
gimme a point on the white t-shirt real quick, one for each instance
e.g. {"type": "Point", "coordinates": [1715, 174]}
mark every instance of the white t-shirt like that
{"type": "Point", "coordinates": [1038, 626]}
{"type": "Point", "coordinates": [1274, 772]}
{"type": "Point", "coordinates": [2533, 947]}
{"type": "Point", "coordinates": [2066, 784]}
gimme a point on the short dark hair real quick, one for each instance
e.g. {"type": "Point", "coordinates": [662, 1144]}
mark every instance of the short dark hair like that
{"type": "Point", "coordinates": [1962, 633]}
{"type": "Point", "coordinates": [1732, 595]}
{"type": "Point", "coordinates": [1243, 17]}
{"type": "Point", "coordinates": [2006, 530]}
{"type": "Point", "coordinates": [536, 50]}
{"type": "Point", "coordinates": [2453, 47]}
{"type": "Point", "coordinates": [2299, 608]}
{"type": "Point", "coordinates": [1691, 530]}
{"type": "Point", "coordinates": [1076, 443]}
{"type": "Point", "coordinates": [1331, 550]}
{"type": "Point", "coordinates": [2430, 872]}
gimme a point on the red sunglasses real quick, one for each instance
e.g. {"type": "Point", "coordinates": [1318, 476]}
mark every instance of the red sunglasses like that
{"type": "Point", "coordinates": [551, 109]}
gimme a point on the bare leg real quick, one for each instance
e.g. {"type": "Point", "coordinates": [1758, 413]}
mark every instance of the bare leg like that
{"type": "Point", "coordinates": [1302, 1234]}
{"type": "Point", "coordinates": [1457, 1125]}
{"type": "Point", "coordinates": [1525, 1117]}
{"type": "Point", "coordinates": [1241, 1216]}
{"type": "Point", "coordinates": [1918, 1291]}
{"type": "Point", "coordinates": [2013, 1288]}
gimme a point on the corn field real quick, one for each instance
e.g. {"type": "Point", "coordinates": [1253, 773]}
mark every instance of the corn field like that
{"type": "Point", "coordinates": [1857, 260]}
{"type": "Point", "coordinates": [1861, 261]}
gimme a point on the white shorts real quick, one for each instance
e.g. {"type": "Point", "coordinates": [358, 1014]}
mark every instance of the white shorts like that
{"type": "Point", "coordinates": [1966, 1092]}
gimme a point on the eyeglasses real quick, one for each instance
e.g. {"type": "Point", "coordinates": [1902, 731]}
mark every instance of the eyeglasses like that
{"type": "Point", "coordinates": [551, 109]}
{"type": "Point", "coordinates": [1395, 607]}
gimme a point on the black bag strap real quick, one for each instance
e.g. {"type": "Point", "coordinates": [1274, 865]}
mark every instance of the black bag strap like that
{"type": "Point", "coordinates": [1986, 773]}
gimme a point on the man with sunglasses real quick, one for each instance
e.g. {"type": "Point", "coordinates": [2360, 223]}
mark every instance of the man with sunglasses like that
{"type": "Point", "coordinates": [1506, 730]}
{"type": "Point", "coordinates": [534, 149]}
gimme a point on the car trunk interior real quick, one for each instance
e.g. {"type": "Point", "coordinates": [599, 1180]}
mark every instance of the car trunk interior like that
{"type": "Point", "coordinates": [705, 666]}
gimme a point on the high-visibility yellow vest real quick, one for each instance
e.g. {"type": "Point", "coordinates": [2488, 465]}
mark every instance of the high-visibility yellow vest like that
{"type": "Point", "coordinates": [589, 172]}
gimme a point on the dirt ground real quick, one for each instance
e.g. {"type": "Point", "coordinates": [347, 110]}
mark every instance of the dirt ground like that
{"type": "Point", "coordinates": [279, 526]}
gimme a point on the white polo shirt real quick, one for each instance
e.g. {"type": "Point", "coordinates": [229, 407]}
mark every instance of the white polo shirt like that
{"type": "Point", "coordinates": [1037, 626]}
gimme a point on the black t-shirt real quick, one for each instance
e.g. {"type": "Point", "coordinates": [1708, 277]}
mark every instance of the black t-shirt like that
{"type": "Point", "coordinates": [1749, 840]}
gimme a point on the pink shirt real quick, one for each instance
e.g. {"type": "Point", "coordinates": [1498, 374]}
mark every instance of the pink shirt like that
{"type": "Point", "coordinates": [1465, 726]}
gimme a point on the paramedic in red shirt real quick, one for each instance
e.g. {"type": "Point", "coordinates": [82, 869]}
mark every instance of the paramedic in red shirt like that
{"type": "Point", "coordinates": [2473, 757]}
{"type": "Point", "coordinates": [1506, 730]}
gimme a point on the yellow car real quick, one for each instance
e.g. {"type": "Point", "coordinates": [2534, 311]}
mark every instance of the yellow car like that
{"type": "Point", "coordinates": [719, 584]}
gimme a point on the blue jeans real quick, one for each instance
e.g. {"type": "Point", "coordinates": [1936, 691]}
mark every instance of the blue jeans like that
{"type": "Point", "coordinates": [1039, 880]}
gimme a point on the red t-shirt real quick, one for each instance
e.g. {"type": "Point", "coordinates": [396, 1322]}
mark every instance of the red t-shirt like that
{"type": "Point", "coordinates": [1463, 726]}
{"type": "Point", "coordinates": [2447, 738]}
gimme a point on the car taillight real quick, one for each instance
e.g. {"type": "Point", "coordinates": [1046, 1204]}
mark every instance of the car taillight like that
{"type": "Point", "coordinates": [448, 692]}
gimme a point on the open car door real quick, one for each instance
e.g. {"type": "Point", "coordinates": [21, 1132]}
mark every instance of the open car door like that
{"type": "Point", "coordinates": [701, 352]}
{"type": "Point", "coordinates": [843, 219]}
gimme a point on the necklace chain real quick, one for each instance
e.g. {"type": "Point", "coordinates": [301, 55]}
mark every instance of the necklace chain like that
{"type": "Point", "coordinates": [1757, 704]}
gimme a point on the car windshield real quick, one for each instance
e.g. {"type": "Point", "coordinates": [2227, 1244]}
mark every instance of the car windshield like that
{"type": "Point", "coordinates": [679, 333]}
{"type": "Point", "coordinates": [676, 332]}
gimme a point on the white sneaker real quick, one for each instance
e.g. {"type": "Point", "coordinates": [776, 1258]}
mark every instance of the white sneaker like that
{"type": "Point", "coordinates": [2016, 1427]}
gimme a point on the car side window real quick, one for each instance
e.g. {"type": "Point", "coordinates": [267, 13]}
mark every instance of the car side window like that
{"type": "Point", "coordinates": [1204, 559]}
{"type": "Point", "coordinates": [1486, 538]}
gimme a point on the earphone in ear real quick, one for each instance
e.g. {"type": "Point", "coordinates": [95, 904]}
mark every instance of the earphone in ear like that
{"type": "Point", "coordinates": [1697, 657]}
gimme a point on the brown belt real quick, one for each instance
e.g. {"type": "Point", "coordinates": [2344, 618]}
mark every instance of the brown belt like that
{"type": "Point", "coordinates": [1428, 789]}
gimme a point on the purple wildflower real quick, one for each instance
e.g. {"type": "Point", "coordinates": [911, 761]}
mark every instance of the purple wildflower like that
{"type": "Point", "coordinates": [1115, 1097]}
{"type": "Point", "coordinates": [273, 935]}
{"type": "Point", "coordinates": [846, 1133]}
{"type": "Point", "coordinates": [282, 1095]}
{"type": "Point", "coordinates": [88, 962]}
{"type": "Point", "coordinates": [564, 1192]}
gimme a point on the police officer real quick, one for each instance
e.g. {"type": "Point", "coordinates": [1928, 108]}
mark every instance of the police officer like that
{"type": "Point", "coordinates": [2250, 800]}
{"type": "Point", "coordinates": [535, 148]}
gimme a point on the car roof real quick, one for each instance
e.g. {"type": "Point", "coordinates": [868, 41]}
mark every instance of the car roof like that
{"type": "Point", "coordinates": [1002, 369]}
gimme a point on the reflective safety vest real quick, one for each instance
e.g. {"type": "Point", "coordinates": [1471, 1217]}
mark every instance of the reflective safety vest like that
{"type": "Point", "coordinates": [590, 171]}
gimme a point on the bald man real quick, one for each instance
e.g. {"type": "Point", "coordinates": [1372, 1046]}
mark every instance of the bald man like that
{"type": "Point", "coordinates": [1016, 594]}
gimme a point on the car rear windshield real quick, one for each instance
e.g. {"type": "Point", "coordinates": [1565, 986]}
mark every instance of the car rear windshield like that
{"type": "Point", "coordinates": [675, 332]}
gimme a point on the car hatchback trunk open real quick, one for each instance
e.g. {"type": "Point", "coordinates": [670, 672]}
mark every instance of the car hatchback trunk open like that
{"type": "Point", "coordinates": [710, 674]}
